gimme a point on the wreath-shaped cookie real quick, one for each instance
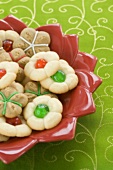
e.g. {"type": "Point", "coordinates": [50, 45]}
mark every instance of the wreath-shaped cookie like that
{"type": "Point", "coordinates": [42, 65]}
{"type": "Point", "coordinates": [11, 102]}
{"type": "Point", "coordinates": [7, 38]}
{"type": "Point", "coordinates": [34, 89]}
{"type": "Point", "coordinates": [8, 73]}
{"type": "Point", "coordinates": [32, 41]}
{"type": "Point", "coordinates": [15, 127]}
{"type": "Point", "coordinates": [63, 80]}
{"type": "Point", "coordinates": [43, 113]}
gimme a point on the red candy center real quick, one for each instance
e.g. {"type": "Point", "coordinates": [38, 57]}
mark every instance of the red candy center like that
{"type": "Point", "coordinates": [7, 45]}
{"type": "Point", "coordinates": [40, 63]}
{"type": "Point", "coordinates": [2, 73]}
{"type": "Point", "coordinates": [14, 121]}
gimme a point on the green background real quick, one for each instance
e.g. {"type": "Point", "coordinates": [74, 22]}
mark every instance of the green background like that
{"type": "Point", "coordinates": [92, 20]}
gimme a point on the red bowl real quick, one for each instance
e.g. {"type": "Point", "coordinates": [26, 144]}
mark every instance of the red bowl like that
{"type": "Point", "coordinates": [76, 103]}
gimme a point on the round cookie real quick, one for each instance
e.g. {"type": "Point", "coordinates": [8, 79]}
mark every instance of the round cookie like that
{"type": "Point", "coordinates": [42, 65]}
{"type": "Point", "coordinates": [43, 112]}
{"type": "Point", "coordinates": [32, 41]}
{"type": "Point", "coordinates": [8, 73]}
{"type": "Point", "coordinates": [63, 80]}
{"type": "Point", "coordinates": [15, 127]}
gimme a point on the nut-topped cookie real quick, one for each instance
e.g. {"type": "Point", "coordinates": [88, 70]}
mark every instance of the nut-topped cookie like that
{"type": "Point", "coordinates": [32, 41]}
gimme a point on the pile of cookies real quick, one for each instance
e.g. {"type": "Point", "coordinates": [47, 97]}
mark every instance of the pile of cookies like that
{"type": "Point", "coordinates": [31, 76]}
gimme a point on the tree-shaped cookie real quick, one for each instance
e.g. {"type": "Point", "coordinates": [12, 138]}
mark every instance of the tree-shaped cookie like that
{"type": "Point", "coordinates": [32, 41]}
{"type": "Point", "coordinates": [43, 112]}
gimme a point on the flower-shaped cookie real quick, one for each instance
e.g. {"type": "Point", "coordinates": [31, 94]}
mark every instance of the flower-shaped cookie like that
{"type": "Point", "coordinates": [14, 127]}
{"type": "Point", "coordinates": [7, 38]}
{"type": "Point", "coordinates": [12, 101]}
{"type": "Point", "coordinates": [8, 73]}
{"type": "Point", "coordinates": [42, 65]}
{"type": "Point", "coordinates": [32, 41]}
{"type": "Point", "coordinates": [63, 80]}
{"type": "Point", "coordinates": [34, 89]}
{"type": "Point", "coordinates": [43, 113]}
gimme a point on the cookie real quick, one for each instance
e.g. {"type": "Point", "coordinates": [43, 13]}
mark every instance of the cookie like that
{"type": "Point", "coordinates": [62, 81]}
{"type": "Point", "coordinates": [15, 127]}
{"type": "Point", "coordinates": [43, 112]}
{"type": "Point", "coordinates": [12, 102]}
{"type": "Point", "coordinates": [34, 89]}
{"type": "Point", "coordinates": [8, 73]}
{"type": "Point", "coordinates": [42, 65]}
{"type": "Point", "coordinates": [7, 38]}
{"type": "Point", "coordinates": [32, 41]}
{"type": "Point", "coordinates": [16, 55]}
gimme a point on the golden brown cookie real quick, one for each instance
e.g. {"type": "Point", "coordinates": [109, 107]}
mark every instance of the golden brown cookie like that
{"type": "Point", "coordinates": [12, 101]}
{"type": "Point", "coordinates": [32, 41]}
{"type": "Point", "coordinates": [34, 89]}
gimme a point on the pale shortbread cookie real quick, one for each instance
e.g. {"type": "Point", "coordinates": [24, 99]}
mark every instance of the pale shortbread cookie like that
{"type": "Point", "coordinates": [10, 130]}
{"type": "Point", "coordinates": [32, 41]}
{"type": "Point", "coordinates": [8, 35]}
{"type": "Point", "coordinates": [38, 74]}
{"type": "Point", "coordinates": [50, 120]}
{"type": "Point", "coordinates": [11, 73]}
{"type": "Point", "coordinates": [70, 82]}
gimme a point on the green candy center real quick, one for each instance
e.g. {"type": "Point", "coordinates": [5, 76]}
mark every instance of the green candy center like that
{"type": "Point", "coordinates": [59, 76]}
{"type": "Point", "coordinates": [41, 110]}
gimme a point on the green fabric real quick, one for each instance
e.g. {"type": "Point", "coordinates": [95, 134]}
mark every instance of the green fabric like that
{"type": "Point", "coordinates": [92, 147]}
